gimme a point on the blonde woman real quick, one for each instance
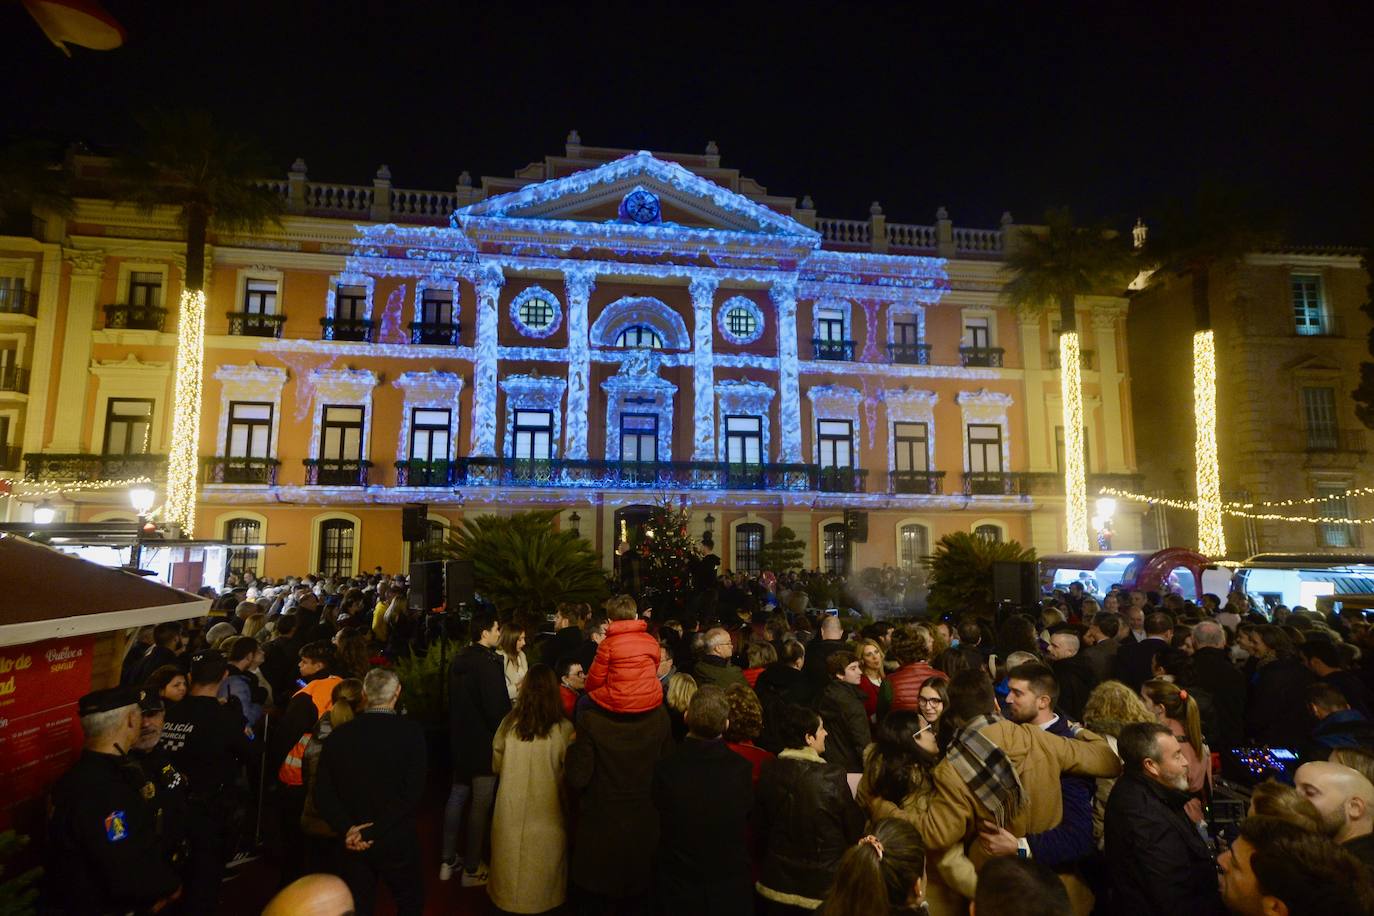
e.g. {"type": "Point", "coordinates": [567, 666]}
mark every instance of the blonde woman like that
{"type": "Point", "coordinates": [681, 689]}
{"type": "Point", "coordinates": [512, 652]}
{"type": "Point", "coordinates": [1173, 707]}
{"type": "Point", "coordinates": [1111, 707]}
{"type": "Point", "coordinates": [871, 659]}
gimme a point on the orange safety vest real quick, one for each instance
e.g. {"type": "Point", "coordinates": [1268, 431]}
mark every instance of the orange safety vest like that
{"type": "Point", "coordinates": [321, 693]}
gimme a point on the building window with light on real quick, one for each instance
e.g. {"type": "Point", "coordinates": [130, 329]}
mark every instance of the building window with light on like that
{"type": "Point", "coordinates": [744, 440]}
{"type": "Point", "coordinates": [128, 426]}
{"type": "Point", "coordinates": [835, 549]}
{"type": "Point", "coordinates": [984, 448]}
{"type": "Point", "coordinates": [260, 297]}
{"type": "Point", "coordinates": [336, 547]}
{"type": "Point", "coordinates": [914, 545]}
{"type": "Point", "coordinates": [1319, 409]}
{"type": "Point", "coordinates": [990, 533]}
{"type": "Point", "coordinates": [638, 438]}
{"type": "Point", "coordinates": [350, 303]}
{"type": "Point", "coordinates": [238, 531]}
{"type": "Point", "coordinates": [639, 337]}
{"type": "Point", "coordinates": [533, 435]}
{"type": "Point", "coordinates": [250, 429]}
{"type": "Point", "coordinates": [145, 289]}
{"type": "Point", "coordinates": [748, 544]}
{"type": "Point", "coordinates": [1335, 506]}
{"type": "Point", "coordinates": [1309, 317]}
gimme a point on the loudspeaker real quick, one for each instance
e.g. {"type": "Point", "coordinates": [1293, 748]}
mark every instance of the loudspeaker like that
{"type": "Point", "coordinates": [413, 527]}
{"type": "Point", "coordinates": [1018, 583]}
{"type": "Point", "coordinates": [856, 526]}
{"type": "Point", "coordinates": [426, 586]}
{"type": "Point", "coordinates": [458, 583]}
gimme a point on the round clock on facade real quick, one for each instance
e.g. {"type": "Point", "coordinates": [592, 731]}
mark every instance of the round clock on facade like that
{"type": "Point", "coordinates": [640, 206]}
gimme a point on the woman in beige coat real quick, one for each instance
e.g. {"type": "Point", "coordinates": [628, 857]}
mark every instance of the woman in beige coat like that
{"type": "Point", "coordinates": [529, 838]}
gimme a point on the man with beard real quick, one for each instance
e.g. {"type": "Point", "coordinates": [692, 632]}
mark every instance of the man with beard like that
{"type": "Point", "coordinates": [167, 786]}
{"type": "Point", "coordinates": [1157, 861]}
{"type": "Point", "coordinates": [1345, 801]}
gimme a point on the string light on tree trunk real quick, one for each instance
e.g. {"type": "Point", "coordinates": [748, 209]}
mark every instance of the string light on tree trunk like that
{"type": "Point", "coordinates": [1075, 479]}
{"type": "Point", "coordinates": [1210, 535]}
{"type": "Point", "coordinates": [182, 458]}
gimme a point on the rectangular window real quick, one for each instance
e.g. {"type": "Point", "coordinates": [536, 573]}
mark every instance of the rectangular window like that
{"type": "Point", "coordinates": [1319, 409]}
{"type": "Point", "coordinates": [638, 437]}
{"type": "Point", "coordinates": [915, 545]}
{"type": "Point", "coordinates": [145, 289]}
{"type": "Point", "coordinates": [830, 324]}
{"type": "Point", "coordinates": [128, 426]}
{"type": "Point", "coordinates": [1334, 534]}
{"type": "Point", "coordinates": [744, 440]}
{"type": "Point", "coordinates": [748, 543]}
{"type": "Point", "coordinates": [12, 294]}
{"type": "Point", "coordinates": [835, 443]}
{"type": "Point", "coordinates": [342, 433]}
{"type": "Point", "coordinates": [979, 332]}
{"type": "Point", "coordinates": [350, 303]}
{"type": "Point", "coordinates": [260, 297]}
{"type": "Point", "coordinates": [911, 441]}
{"type": "Point", "coordinates": [436, 307]}
{"type": "Point", "coordinates": [336, 547]}
{"type": "Point", "coordinates": [250, 429]}
{"type": "Point", "coordinates": [984, 448]}
{"type": "Point", "coordinates": [1309, 318]}
{"type": "Point", "coordinates": [429, 434]}
{"type": "Point", "coordinates": [533, 430]}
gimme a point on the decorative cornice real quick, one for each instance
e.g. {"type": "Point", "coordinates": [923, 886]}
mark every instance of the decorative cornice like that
{"type": "Point", "coordinates": [85, 261]}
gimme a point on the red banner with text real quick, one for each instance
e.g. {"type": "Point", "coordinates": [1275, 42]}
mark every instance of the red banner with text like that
{"type": "Point", "coordinates": [40, 733]}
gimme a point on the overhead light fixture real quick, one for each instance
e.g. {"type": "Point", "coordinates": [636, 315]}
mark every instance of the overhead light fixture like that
{"type": "Point", "coordinates": [44, 513]}
{"type": "Point", "coordinates": [142, 499]}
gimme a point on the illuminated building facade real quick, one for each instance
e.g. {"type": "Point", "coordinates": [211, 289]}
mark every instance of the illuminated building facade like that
{"type": "Point", "coordinates": [600, 330]}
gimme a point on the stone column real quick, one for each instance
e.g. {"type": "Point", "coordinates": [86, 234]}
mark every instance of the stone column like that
{"type": "Point", "coordinates": [784, 295]}
{"type": "Point", "coordinates": [488, 283]}
{"type": "Point", "coordinates": [1039, 430]}
{"type": "Point", "coordinates": [578, 284]}
{"type": "Point", "coordinates": [1109, 380]}
{"type": "Point", "coordinates": [703, 290]}
{"type": "Point", "coordinates": [72, 426]}
{"type": "Point", "coordinates": [43, 366]}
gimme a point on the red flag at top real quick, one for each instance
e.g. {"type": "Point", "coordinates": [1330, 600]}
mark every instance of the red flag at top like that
{"type": "Point", "coordinates": [78, 22]}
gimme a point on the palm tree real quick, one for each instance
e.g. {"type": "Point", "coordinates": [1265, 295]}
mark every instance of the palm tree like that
{"type": "Point", "coordinates": [1051, 267]}
{"type": "Point", "coordinates": [210, 176]}
{"type": "Point", "coordinates": [1194, 241]}
{"type": "Point", "coordinates": [961, 571]}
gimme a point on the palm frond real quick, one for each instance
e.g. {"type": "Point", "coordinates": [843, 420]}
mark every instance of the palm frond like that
{"type": "Point", "coordinates": [1065, 260]}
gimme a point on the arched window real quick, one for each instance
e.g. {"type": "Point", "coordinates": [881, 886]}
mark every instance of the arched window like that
{"type": "Point", "coordinates": [336, 547]}
{"type": "Point", "coordinates": [835, 548]}
{"type": "Point", "coordinates": [748, 544]}
{"type": "Point", "coordinates": [914, 544]}
{"type": "Point", "coordinates": [990, 533]}
{"type": "Point", "coordinates": [639, 337]}
{"type": "Point", "coordinates": [435, 534]}
{"type": "Point", "coordinates": [243, 531]}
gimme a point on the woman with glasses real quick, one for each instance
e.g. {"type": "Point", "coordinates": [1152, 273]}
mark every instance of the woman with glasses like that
{"type": "Point", "coordinates": [931, 704]}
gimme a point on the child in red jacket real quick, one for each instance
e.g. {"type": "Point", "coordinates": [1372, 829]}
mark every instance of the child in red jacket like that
{"type": "Point", "coordinates": [624, 676]}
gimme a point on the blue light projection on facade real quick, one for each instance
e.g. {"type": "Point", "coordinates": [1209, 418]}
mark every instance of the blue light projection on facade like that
{"type": "Point", "coordinates": [546, 317]}
{"type": "Point", "coordinates": [640, 311]}
{"type": "Point", "coordinates": [740, 320]}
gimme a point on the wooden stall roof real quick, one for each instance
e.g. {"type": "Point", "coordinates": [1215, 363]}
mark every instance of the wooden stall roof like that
{"type": "Point", "coordinates": [49, 594]}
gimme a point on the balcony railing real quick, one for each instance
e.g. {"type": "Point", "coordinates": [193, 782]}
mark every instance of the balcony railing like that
{"type": "Point", "coordinates": [988, 483]}
{"type": "Point", "coordinates": [12, 378]}
{"type": "Point", "coordinates": [18, 302]}
{"type": "Point", "coordinates": [335, 472]}
{"type": "Point", "coordinates": [647, 475]}
{"type": "Point", "coordinates": [441, 333]}
{"type": "Point", "coordinates": [222, 469]}
{"type": "Point", "coordinates": [833, 349]}
{"type": "Point", "coordinates": [910, 354]}
{"type": "Point", "coordinates": [354, 329]}
{"type": "Point", "coordinates": [419, 473]}
{"type": "Point", "coordinates": [135, 317]}
{"type": "Point", "coordinates": [920, 483]}
{"type": "Point", "coordinates": [840, 480]}
{"type": "Point", "coordinates": [85, 466]}
{"type": "Point", "coordinates": [255, 324]}
{"type": "Point", "coordinates": [1051, 483]}
{"type": "Point", "coordinates": [988, 357]}
{"type": "Point", "coordinates": [1327, 326]}
{"type": "Point", "coordinates": [1326, 440]}
{"type": "Point", "coordinates": [1088, 359]}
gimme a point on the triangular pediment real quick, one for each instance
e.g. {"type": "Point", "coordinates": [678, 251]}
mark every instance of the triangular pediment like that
{"type": "Point", "coordinates": [683, 198]}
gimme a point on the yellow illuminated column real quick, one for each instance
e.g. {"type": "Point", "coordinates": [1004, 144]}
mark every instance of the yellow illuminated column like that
{"type": "Point", "coordinates": [1075, 478]}
{"type": "Point", "coordinates": [182, 459]}
{"type": "Point", "coordinates": [1211, 537]}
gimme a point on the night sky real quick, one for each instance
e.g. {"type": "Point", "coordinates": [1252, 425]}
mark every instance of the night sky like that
{"type": "Point", "coordinates": [1014, 106]}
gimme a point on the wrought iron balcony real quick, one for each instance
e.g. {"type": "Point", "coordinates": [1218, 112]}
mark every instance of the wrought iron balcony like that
{"type": "Point", "coordinates": [839, 480]}
{"type": "Point", "coordinates": [646, 475]}
{"type": "Point", "coordinates": [909, 353]}
{"type": "Point", "coordinates": [989, 483]}
{"type": "Point", "coordinates": [987, 357]}
{"type": "Point", "coordinates": [255, 324]}
{"type": "Point", "coordinates": [135, 317]}
{"type": "Point", "coordinates": [233, 469]}
{"type": "Point", "coordinates": [12, 378]}
{"type": "Point", "coordinates": [336, 472]}
{"type": "Point", "coordinates": [921, 483]}
{"type": "Point", "coordinates": [418, 473]}
{"type": "Point", "coordinates": [86, 466]}
{"type": "Point", "coordinates": [441, 333]}
{"type": "Point", "coordinates": [1324, 439]}
{"type": "Point", "coordinates": [832, 349]}
{"type": "Point", "coordinates": [1088, 359]}
{"type": "Point", "coordinates": [1051, 483]}
{"type": "Point", "coordinates": [354, 329]}
{"type": "Point", "coordinates": [18, 302]}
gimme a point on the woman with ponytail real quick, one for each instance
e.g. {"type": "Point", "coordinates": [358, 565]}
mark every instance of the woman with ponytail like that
{"type": "Point", "coordinates": [321, 846]}
{"type": "Point", "coordinates": [883, 873]}
{"type": "Point", "coordinates": [1174, 708]}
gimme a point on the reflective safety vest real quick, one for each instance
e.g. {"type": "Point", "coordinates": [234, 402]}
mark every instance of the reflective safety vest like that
{"type": "Point", "coordinates": [321, 693]}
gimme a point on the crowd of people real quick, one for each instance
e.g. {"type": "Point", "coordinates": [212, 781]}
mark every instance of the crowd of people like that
{"type": "Point", "coordinates": [740, 752]}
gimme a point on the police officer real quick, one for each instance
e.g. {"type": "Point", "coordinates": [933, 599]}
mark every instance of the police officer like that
{"type": "Point", "coordinates": [103, 853]}
{"type": "Point", "coordinates": [165, 783]}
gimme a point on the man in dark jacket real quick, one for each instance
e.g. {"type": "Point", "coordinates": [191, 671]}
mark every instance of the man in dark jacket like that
{"type": "Point", "coordinates": [1135, 660]}
{"type": "Point", "coordinates": [705, 791]}
{"type": "Point", "coordinates": [1102, 645]}
{"type": "Point", "coordinates": [781, 684]}
{"type": "Point", "coordinates": [1324, 661]}
{"type": "Point", "coordinates": [1276, 713]}
{"type": "Point", "coordinates": [1337, 724]}
{"type": "Point", "coordinates": [1072, 672]}
{"type": "Point", "coordinates": [169, 644]}
{"type": "Point", "coordinates": [1157, 861]}
{"type": "Point", "coordinates": [567, 634]}
{"type": "Point", "coordinates": [478, 701]}
{"type": "Point", "coordinates": [368, 786]}
{"type": "Point", "coordinates": [842, 710]}
{"type": "Point", "coordinates": [1215, 675]}
{"type": "Point", "coordinates": [280, 656]}
{"type": "Point", "coordinates": [829, 639]}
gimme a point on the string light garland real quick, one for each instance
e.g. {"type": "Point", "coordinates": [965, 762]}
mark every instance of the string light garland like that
{"type": "Point", "coordinates": [31, 490]}
{"type": "Point", "coordinates": [1210, 534]}
{"type": "Point", "coordinates": [1354, 492]}
{"type": "Point", "coordinates": [182, 461]}
{"type": "Point", "coordinates": [1234, 509]}
{"type": "Point", "coordinates": [1075, 479]}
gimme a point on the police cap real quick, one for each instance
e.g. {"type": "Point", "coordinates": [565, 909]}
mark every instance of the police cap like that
{"type": "Point", "coordinates": [106, 700]}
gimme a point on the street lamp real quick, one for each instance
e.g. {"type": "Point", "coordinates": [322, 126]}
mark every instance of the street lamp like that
{"type": "Point", "coordinates": [1102, 522]}
{"type": "Point", "coordinates": [575, 521]}
{"type": "Point", "coordinates": [44, 513]}
{"type": "Point", "coordinates": [708, 538]}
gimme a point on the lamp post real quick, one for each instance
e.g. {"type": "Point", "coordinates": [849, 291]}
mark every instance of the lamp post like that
{"type": "Point", "coordinates": [1102, 522]}
{"type": "Point", "coordinates": [44, 513]}
{"type": "Point", "coordinates": [708, 538]}
{"type": "Point", "coordinates": [575, 520]}
{"type": "Point", "coordinates": [141, 498]}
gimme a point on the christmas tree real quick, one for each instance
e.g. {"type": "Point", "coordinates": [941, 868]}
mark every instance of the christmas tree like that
{"type": "Point", "coordinates": [665, 552]}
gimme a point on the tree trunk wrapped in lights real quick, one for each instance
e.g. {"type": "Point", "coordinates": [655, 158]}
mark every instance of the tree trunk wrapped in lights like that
{"type": "Point", "coordinates": [1211, 536]}
{"type": "Point", "coordinates": [182, 456]}
{"type": "Point", "coordinates": [1075, 476]}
